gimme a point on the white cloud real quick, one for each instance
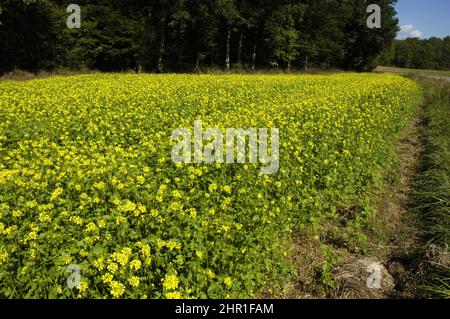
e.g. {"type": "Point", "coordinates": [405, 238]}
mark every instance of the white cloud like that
{"type": "Point", "coordinates": [416, 34]}
{"type": "Point", "coordinates": [406, 28]}
{"type": "Point", "coordinates": [407, 31]}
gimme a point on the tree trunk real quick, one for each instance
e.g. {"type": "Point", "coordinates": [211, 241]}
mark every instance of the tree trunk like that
{"type": "Point", "coordinates": [228, 49]}
{"type": "Point", "coordinates": [239, 58]}
{"type": "Point", "coordinates": [197, 63]}
{"type": "Point", "coordinates": [161, 56]}
{"type": "Point", "coordinates": [162, 47]}
{"type": "Point", "coordinates": [289, 66]}
{"type": "Point", "coordinates": [254, 57]}
{"type": "Point", "coordinates": [306, 62]}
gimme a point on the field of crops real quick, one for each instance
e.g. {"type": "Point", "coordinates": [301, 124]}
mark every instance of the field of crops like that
{"type": "Point", "coordinates": [86, 178]}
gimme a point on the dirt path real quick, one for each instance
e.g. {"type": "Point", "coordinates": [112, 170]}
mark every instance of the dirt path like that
{"type": "Point", "coordinates": [435, 77]}
{"type": "Point", "coordinates": [392, 244]}
{"type": "Point", "coordinates": [403, 259]}
{"type": "Point", "coordinates": [395, 234]}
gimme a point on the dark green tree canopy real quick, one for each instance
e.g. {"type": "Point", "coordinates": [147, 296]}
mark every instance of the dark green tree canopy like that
{"type": "Point", "coordinates": [184, 35]}
{"type": "Point", "coordinates": [433, 53]}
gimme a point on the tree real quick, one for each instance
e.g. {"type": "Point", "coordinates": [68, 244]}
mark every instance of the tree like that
{"type": "Point", "coordinates": [229, 18]}
{"type": "Point", "coordinates": [415, 53]}
{"type": "Point", "coordinates": [364, 45]}
{"type": "Point", "coordinates": [29, 35]}
{"type": "Point", "coordinates": [183, 35]}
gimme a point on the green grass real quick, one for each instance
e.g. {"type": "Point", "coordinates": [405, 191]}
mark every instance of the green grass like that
{"type": "Point", "coordinates": [434, 184]}
{"type": "Point", "coordinates": [386, 69]}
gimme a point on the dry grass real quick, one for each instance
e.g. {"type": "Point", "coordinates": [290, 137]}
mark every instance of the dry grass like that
{"type": "Point", "coordinates": [417, 72]}
{"type": "Point", "coordinates": [351, 279]}
{"type": "Point", "coordinates": [20, 75]}
{"type": "Point", "coordinates": [392, 242]}
{"type": "Point", "coordinates": [394, 235]}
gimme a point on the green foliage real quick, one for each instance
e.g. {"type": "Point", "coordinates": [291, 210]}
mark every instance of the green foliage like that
{"type": "Point", "coordinates": [326, 275]}
{"type": "Point", "coordinates": [284, 37]}
{"type": "Point", "coordinates": [86, 178]}
{"type": "Point", "coordinates": [30, 36]}
{"type": "Point", "coordinates": [433, 192]}
{"type": "Point", "coordinates": [433, 54]}
{"type": "Point", "coordinates": [179, 35]}
{"type": "Point", "coordinates": [363, 45]}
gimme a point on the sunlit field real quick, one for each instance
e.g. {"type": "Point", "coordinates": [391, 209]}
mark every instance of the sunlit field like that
{"type": "Point", "coordinates": [87, 179]}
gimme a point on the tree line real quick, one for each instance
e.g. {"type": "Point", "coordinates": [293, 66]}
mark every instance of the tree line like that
{"type": "Point", "coordinates": [184, 35]}
{"type": "Point", "coordinates": [432, 53]}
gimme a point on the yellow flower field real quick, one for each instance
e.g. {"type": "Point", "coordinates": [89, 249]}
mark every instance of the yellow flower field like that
{"type": "Point", "coordinates": [86, 178]}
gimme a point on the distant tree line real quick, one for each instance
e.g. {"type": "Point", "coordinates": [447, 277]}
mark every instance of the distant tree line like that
{"type": "Point", "coordinates": [433, 53]}
{"type": "Point", "coordinates": [184, 35]}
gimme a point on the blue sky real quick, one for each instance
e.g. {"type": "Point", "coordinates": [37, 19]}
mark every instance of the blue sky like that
{"type": "Point", "coordinates": [424, 18]}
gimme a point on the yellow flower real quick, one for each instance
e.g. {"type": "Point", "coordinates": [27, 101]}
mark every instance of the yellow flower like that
{"type": "Point", "coordinates": [171, 244]}
{"type": "Point", "coordinates": [59, 289]}
{"type": "Point", "coordinates": [120, 220]}
{"type": "Point", "coordinates": [44, 217]}
{"type": "Point", "coordinates": [228, 281]}
{"type": "Point", "coordinates": [76, 220]}
{"type": "Point", "coordinates": [193, 212]}
{"type": "Point", "coordinates": [176, 194]}
{"type": "Point", "coordinates": [99, 263]}
{"type": "Point", "coordinates": [212, 187]}
{"type": "Point", "coordinates": [173, 295]}
{"type": "Point", "coordinates": [107, 278]}
{"type": "Point", "coordinates": [30, 236]}
{"type": "Point", "coordinates": [135, 264]}
{"type": "Point", "coordinates": [31, 204]}
{"type": "Point", "coordinates": [210, 274]}
{"type": "Point", "coordinates": [227, 189]}
{"type": "Point", "coordinates": [134, 281]}
{"type": "Point", "coordinates": [175, 207]}
{"type": "Point", "coordinates": [170, 282]}
{"type": "Point", "coordinates": [3, 255]}
{"type": "Point", "coordinates": [117, 289]}
{"type": "Point", "coordinates": [100, 185]}
{"type": "Point", "coordinates": [145, 250]}
{"type": "Point", "coordinates": [122, 257]}
{"type": "Point", "coordinates": [101, 223]}
{"type": "Point", "coordinates": [328, 124]}
{"type": "Point", "coordinates": [17, 214]}
{"type": "Point", "coordinates": [128, 206]}
{"type": "Point", "coordinates": [83, 253]}
{"type": "Point", "coordinates": [91, 227]}
{"type": "Point", "coordinates": [142, 209]}
{"type": "Point", "coordinates": [56, 193]}
{"type": "Point", "coordinates": [112, 267]}
{"type": "Point", "coordinates": [83, 287]}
